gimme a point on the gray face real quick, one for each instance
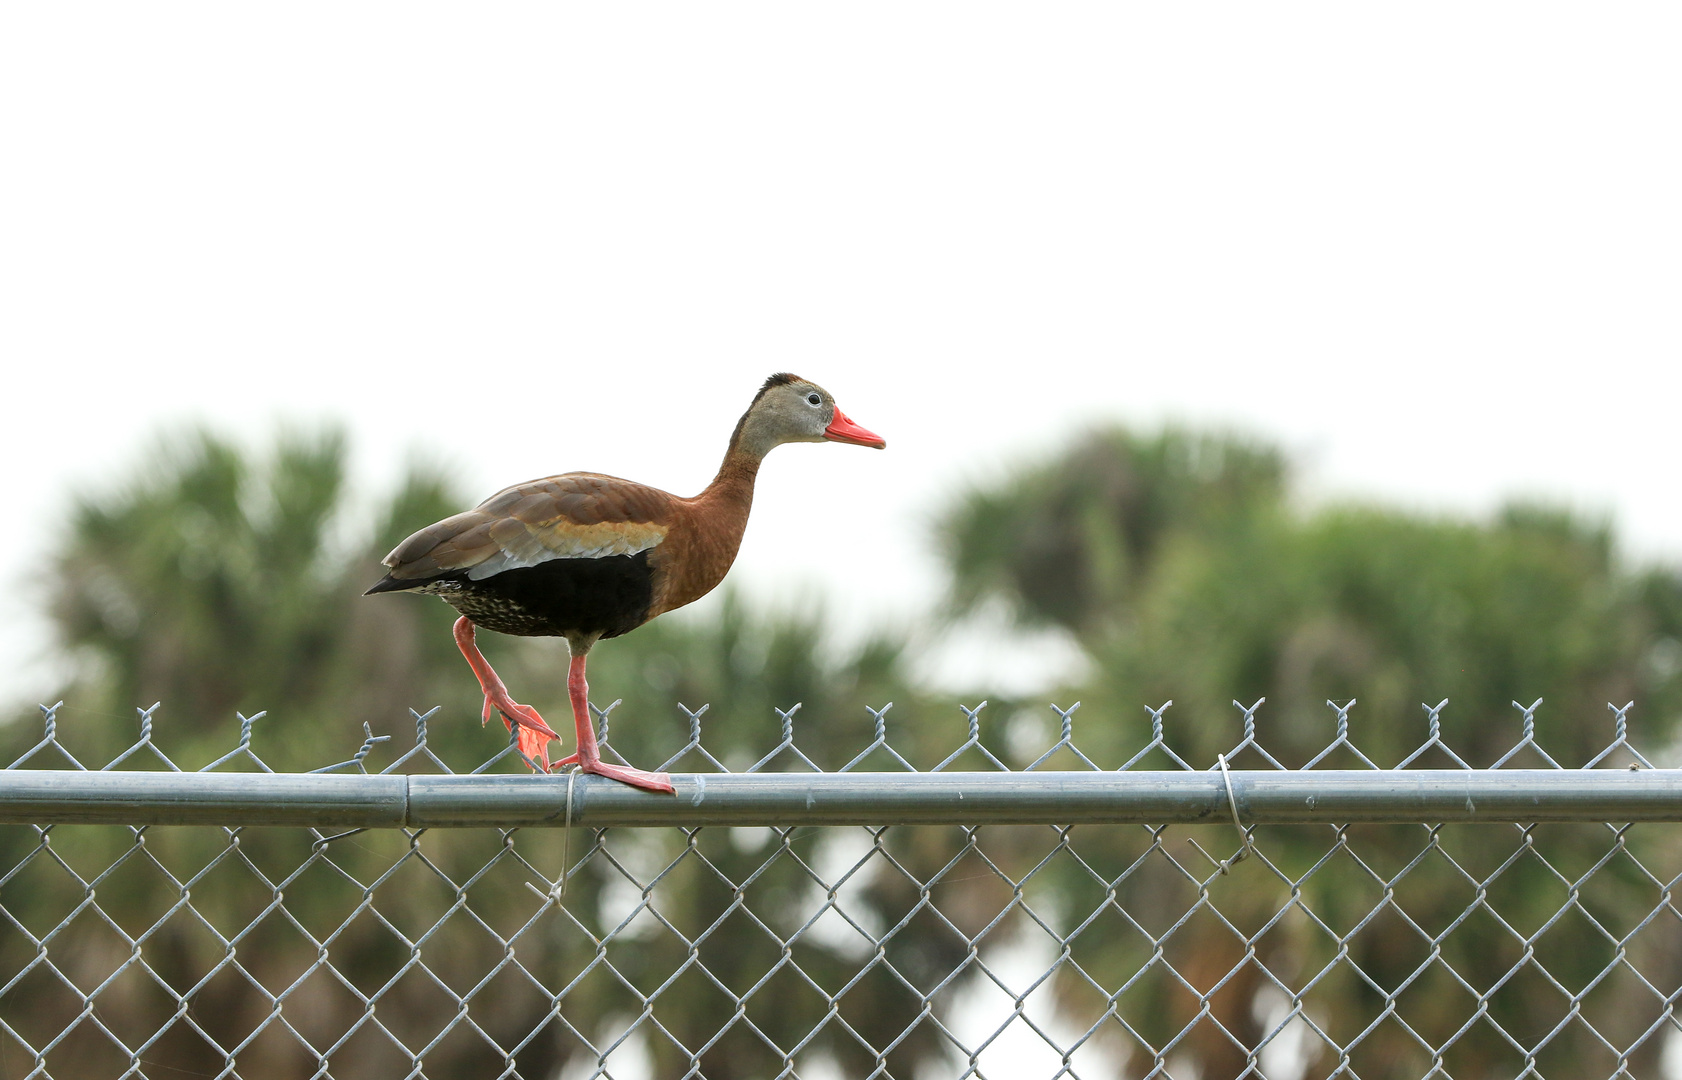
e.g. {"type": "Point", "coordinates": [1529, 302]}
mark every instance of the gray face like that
{"type": "Point", "coordinates": [809, 409]}
{"type": "Point", "coordinates": [798, 411]}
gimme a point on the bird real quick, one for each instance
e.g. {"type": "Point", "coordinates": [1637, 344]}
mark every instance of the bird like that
{"type": "Point", "coordinates": [584, 556]}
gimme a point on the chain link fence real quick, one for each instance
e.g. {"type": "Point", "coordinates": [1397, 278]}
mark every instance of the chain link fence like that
{"type": "Point", "coordinates": [1067, 917]}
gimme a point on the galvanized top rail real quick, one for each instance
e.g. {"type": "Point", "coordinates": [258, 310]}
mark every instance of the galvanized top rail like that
{"type": "Point", "coordinates": [876, 799]}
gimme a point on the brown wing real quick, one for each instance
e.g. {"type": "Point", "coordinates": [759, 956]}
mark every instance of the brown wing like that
{"type": "Point", "coordinates": [571, 516]}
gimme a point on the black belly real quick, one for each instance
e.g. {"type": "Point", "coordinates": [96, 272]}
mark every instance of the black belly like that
{"type": "Point", "coordinates": [602, 597]}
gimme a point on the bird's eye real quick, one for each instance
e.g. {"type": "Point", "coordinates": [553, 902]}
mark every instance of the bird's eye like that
{"type": "Point", "coordinates": [814, 400]}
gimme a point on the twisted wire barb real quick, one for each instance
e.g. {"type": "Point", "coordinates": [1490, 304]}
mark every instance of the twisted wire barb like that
{"type": "Point", "coordinates": [973, 742]}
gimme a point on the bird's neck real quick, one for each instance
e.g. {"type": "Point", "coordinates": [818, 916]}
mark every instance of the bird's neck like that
{"type": "Point", "coordinates": [730, 495]}
{"type": "Point", "coordinates": [710, 532]}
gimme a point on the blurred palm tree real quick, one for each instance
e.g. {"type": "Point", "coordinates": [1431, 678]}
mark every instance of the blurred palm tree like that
{"type": "Point", "coordinates": [1180, 566]}
{"type": "Point", "coordinates": [1071, 541]}
{"type": "Point", "coordinates": [215, 580]}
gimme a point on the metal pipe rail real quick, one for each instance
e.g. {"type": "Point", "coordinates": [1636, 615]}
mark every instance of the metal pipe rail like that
{"type": "Point", "coordinates": [805, 799]}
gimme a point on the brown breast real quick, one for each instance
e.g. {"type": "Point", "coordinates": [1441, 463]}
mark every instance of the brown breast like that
{"type": "Point", "coordinates": [705, 534]}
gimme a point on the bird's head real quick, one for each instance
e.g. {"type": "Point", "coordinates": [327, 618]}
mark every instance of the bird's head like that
{"type": "Point", "coordinates": [791, 409]}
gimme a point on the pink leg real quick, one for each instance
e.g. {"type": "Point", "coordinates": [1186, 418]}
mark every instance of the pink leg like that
{"type": "Point", "coordinates": [534, 734]}
{"type": "Point", "coordinates": [589, 757]}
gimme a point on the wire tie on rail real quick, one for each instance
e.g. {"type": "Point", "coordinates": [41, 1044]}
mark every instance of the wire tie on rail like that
{"type": "Point", "coordinates": [566, 839]}
{"type": "Point", "coordinates": [1232, 803]}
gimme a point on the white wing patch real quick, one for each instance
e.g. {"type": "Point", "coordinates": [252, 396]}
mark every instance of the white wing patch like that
{"type": "Point", "coordinates": [520, 545]}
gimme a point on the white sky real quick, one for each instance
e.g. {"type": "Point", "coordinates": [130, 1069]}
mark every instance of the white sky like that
{"type": "Point", "coordinates": [1436, 249]}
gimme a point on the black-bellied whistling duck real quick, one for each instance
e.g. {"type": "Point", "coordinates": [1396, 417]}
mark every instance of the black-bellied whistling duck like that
{"type": "Point", "coordinates": [585, 556]}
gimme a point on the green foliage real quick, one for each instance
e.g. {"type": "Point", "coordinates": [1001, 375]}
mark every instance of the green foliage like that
{"type": "Point", "coordinates": [1228, 593]}
{"type": "Point", "coordinates": [1070, 542]}
{"type": "Point", "coordinates": [1214, 589]}
{"type": "Point", "coordinates": [1396, 611]}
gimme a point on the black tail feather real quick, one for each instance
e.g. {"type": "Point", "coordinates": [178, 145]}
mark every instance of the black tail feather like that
{"type": "Point", "coordinates": [391, 584]}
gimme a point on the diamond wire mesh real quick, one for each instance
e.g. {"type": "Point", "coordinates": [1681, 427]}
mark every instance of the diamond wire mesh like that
{"type": "Point", "coordinates": [1413, 950]}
